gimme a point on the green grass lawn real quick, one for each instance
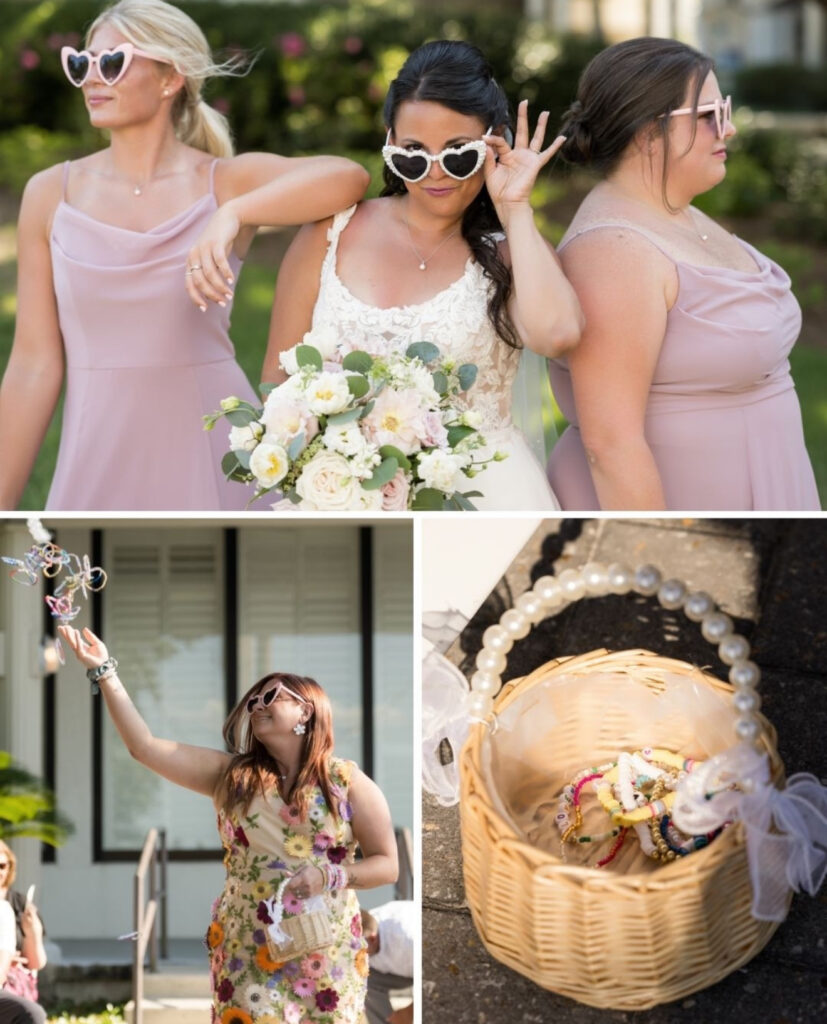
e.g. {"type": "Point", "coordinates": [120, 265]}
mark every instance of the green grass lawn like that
{"type": "Point", "coordinates": [251, 317]}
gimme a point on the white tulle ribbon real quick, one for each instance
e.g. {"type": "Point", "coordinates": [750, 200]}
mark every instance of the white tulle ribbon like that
{"type": "Point", "coordinates": [786, 830]}
{"type": "Point", "coordinates": [444, 717]}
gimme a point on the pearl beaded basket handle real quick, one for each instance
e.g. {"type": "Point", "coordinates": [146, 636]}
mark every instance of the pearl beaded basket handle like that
{"type": "Point", "coordinates": [550, 594]}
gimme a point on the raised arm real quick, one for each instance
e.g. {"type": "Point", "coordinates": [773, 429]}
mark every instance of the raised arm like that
{"type": "Point", "coordinates": [297, 289]}
{"type": "Point", "coordinates": [34, 374]}
{"type": "Point", "coordinates": [543, 306]}
{"type": "Point", "coordinates": [625, 287]}
{"type": "Point", "coordinates": [258, 189]}
{"type": "Point", "coordinates": [32, 947]}
{"type": "Point", "coordinates": [197, 768]}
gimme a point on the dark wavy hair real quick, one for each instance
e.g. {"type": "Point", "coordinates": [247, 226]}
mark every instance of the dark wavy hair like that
{"type": "Point", "coordinates": [252, 770]}
{"type": "Point", "coordinates": [625, 88]}
{"type": "Point", "coordinates": [456, 75]}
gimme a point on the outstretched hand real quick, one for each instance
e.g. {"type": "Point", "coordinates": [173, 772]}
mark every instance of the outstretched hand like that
{"type": "Point", "coordinates": [208, 275]}
{"type": "Point", "coordinates": [510, 173]}
{"type": "Point", "coordinates": [89, 649]}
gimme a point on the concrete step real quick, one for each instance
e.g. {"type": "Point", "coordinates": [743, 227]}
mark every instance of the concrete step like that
{"type": "Point", "coordinates": [177, 984]}
{"type": "Point", "coordinates": [170, 1011]}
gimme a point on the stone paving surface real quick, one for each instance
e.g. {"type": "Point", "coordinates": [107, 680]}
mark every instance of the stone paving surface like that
{"type": "Point", "coordinates": [771, 576]}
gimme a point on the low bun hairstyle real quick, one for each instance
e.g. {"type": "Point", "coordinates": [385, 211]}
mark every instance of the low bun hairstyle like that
{"type": "Point", "coordinates": [164, 30]}
{"type": "Point", "coordinates": [625, 88]}
{"type": "Point", "coordinates": [456, 75]}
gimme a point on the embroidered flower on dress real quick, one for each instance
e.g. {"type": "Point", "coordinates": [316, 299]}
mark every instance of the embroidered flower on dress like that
{"type": "Point", "coordinates": [233, 1015]}
{"type": "Point", "coordinates": [362, 963]}
{"type": "Point", "coordinates": [322, 841]}
{"type": "Point", "coordinates": [259, 937]}
{"type": "Point", "coordinates": [215, 935]}
{"type": "Point", "coordinates": [241, 836]}
{"type": "Point", "coordinates": [327, 999]}
{"type": "Point", "coordinates": [266, 962]}
{"type": "Point", "coordinates": [336, 854]}
{"type": "Point", "coordinates": [298, 846]}
{"type": "Point", "coordinates": [256, 997]}
{"type": "Point", "coordinates": [225, 991]}
{"type": "Point", "coordinates": [304, 987]}
{"type": "Point", "coordinates": [291, 904]}
{"type": "Point", "coordinates": [235, 965]}
{"type": "Point", "coordinates": [356, 925]}
{"type": "Point", "coordinates": [292, 1013]}
{"type": "Point", "coordinates": [314, 966]}
{"type": "Point", "coordinates": [290, 814]}
{"type": "Point", "coordinates": [263, 914]}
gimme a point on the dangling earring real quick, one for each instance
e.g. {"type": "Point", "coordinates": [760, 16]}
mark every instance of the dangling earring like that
{"type": "Point", "coordinates": [299, 728]}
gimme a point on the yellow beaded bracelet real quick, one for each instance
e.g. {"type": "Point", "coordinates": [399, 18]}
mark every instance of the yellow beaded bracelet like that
{"type": "Point", "coordinates": [634, 817]}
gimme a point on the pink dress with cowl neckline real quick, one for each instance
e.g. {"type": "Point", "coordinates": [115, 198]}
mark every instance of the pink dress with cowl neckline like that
{"type": "Point", "coordinates": [723, 419]}
{"type": "Point", "coordinates": [143, 366]}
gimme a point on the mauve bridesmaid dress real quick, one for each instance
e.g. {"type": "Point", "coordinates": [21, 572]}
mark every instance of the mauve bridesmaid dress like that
{"type": "Point", "coordinates": [723, 420]}
{"type": "Point", "coordinates": [143, 366]}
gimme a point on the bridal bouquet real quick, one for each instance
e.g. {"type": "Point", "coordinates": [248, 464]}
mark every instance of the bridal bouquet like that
{"type": "Point", "coordinates": [369, 432]}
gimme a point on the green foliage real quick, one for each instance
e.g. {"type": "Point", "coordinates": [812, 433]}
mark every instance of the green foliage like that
{"type": "Point", "coordinates": [744, 192]}
{"type": "Point", "coordinates": [781, 87]}
{"type": "Point", "coordinates": [94, 1014]}
{"type": "Point", "coordinates": [27, 806]}
{"type": "Point", "coordinates": [28, 148]}
{"type": "Point", "coordinates": [319, 76]}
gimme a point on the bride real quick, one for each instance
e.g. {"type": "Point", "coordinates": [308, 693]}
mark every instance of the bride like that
{"type": "Point", "coordinates": [449, 254]}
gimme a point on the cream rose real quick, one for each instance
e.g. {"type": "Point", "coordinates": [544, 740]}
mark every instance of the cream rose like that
{"type": "Point", "coordinates": [328, 394]}
{"type": "Point", "coordinates": [325, 339]}
{"type": "Point", "coordinates": [269, 464]}
{"type": "Point", "coordinates": [396, 419]}
{"type": "Point", "coordinates": [285, 420]}
{"type": "Point", "coordinates": [328, 483]}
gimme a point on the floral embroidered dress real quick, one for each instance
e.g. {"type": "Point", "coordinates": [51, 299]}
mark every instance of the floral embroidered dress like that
{"type": "Point", "coordinates": [261, 847]}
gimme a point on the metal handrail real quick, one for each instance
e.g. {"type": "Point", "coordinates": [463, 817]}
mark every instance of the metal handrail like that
{"type": "Point", "coordinates": [153, 860]}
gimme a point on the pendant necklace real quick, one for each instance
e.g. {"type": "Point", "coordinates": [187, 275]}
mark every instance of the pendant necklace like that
{"type": "Point", "coordinates": [423, 260]}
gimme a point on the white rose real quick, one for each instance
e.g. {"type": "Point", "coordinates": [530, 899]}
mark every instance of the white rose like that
{"type": "Point", "coordinates": [328, 394]}
{"type": "Point", "coordinates": [245, 438]}
{"type": "Point", "coordinates": [397, 419]}
{"type": "Point", "coordinates": [269, 464]}
{"type": "Point", "coordinates": [324, 338]}
{"type": "Point", "coordinates": [288, 362]}
{"type": "Point", "coordinates": [440, 469]}
{"type": "Point", "coordinates": [472, 418]}
{"type": "Point", "coordinates": [328, 483]}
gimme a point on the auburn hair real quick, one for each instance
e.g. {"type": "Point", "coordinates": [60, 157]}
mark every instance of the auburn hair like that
{"type": "Point", "coordinates": [253, 770]}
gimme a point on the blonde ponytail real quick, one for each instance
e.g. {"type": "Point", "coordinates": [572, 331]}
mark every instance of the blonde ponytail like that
{"type": "Point", "coordinates": [203, 127]}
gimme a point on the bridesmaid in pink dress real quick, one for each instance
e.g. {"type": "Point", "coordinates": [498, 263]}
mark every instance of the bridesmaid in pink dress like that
{"type": "Point", "coordinates": [679, 395]}
{"type": "Point", "coordinates": [127, 264]}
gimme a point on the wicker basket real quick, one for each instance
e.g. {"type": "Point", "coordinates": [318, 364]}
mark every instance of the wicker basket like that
{"type": "Point", "coordinates": [632, 935]}
{"type": "Point", "coordinates": [308, 933]}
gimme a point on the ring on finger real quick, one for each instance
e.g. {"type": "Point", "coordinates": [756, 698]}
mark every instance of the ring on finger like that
{"type": "Point", "coordinates": [193, 268]}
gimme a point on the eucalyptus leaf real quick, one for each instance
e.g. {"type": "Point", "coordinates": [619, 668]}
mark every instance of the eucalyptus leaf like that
{"type": "Point", "coordinates": [424, 350]}
{"type": "Point", "coordinates": [242, 416]}
{"type": "Point", "coordinates": [358, 386]}
{"type": "Point", "coordinates": [366, 409]}
{"type": "Point", "coordinates": [463, 502]}
{"type": "Point", "coordinates": [229, 463]}
{"type": "Point", "coordinates": [440, 382]}
{"type": "Point", "coordinates": [358, 362]}
{"type": "Point", "coordinates": [295, 446]}
{"type": "Point", "coordinates": [458, 433]}
{"type": "Point", "coordinates": [294, 496]}
{"type": "Point", "coordinates": [266, 387]}
{"type": "Point", "coordinates": [467, 374]}
{"type": "Point", "coordinates": [243, 458]}
{"type": "Point", "coordinates": [385, 471]}
{"type": "Point", "coordinates": [391, 451]}
{"type": "Point", "coordinates": [348, 416]}
{"type": "Point", "coordinates": [429, 499]}
{"type": "Point", "coordinates": [307, 355]}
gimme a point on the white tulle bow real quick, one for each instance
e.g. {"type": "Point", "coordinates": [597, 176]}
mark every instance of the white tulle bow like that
{"type": "Point", "coordinates": [444, 717]}
{"type": "Point", "coordinates": [786, 830]}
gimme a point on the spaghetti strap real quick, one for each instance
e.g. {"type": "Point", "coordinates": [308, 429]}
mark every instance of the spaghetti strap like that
{"type": "Point", "coordinates": [212, 176]}
{"type": "Point", "coordinates": [626, 225]}
{"type": "Point", "coordinates": [340, 222]}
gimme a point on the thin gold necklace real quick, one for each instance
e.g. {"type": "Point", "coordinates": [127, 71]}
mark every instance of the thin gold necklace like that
{"type": "Point", "coordinates": [423, 260]}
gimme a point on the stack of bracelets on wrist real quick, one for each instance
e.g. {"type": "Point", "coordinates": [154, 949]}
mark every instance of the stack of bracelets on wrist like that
{"type": "Point", "coordinates": [636, 792]}
{"type": "Point", "coordinates": [335, 876]}
{"type": "Point", "coordinates": [103, 671]}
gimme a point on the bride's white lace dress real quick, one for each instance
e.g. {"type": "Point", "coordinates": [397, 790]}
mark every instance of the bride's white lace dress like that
{"type": "Point", "coordinates": [455, 320]}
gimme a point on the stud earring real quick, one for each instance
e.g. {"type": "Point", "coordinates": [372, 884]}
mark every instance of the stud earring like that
{"type": "Point", "coordinates": [166, 92]}
{"type": "Point", "coordinates": [299, 728]}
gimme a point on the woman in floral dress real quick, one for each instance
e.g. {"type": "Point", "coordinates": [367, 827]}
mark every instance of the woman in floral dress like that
{"type": "Point", "coordinates": [286, 808]}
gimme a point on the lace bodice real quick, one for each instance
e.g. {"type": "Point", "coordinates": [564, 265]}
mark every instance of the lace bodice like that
{"type": "Point", "coordinates": [455, 320]}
